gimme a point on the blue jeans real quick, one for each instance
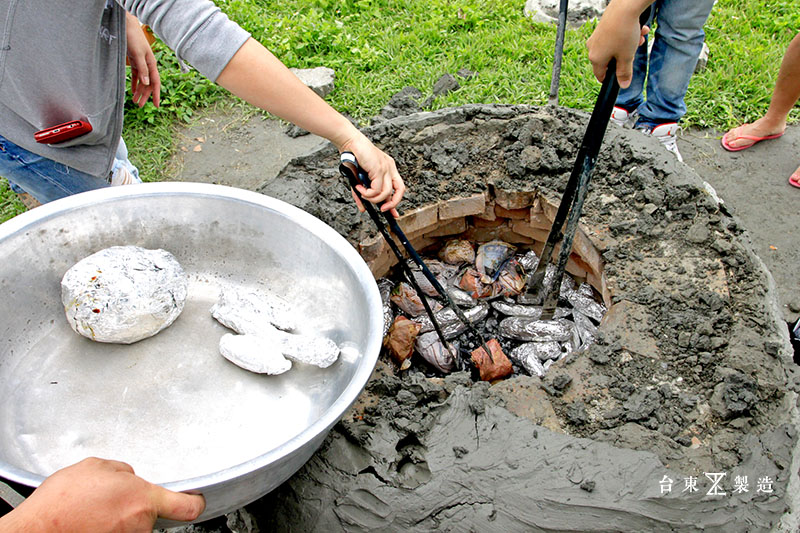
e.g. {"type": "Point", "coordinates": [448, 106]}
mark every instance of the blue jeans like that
{"type": "Point", "coordinates": [45, 179]}
{"type": "Point", "coordinates": [677, 44]}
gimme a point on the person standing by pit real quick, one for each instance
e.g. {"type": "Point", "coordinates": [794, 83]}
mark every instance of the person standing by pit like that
{"type": "Point", "coordinates": [667, 70]}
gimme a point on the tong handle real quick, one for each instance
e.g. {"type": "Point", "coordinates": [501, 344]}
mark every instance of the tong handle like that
{"type": "Point", "coordinates": [349, 168]}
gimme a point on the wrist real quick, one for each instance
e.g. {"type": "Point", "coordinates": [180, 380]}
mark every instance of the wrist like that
{"type": "Point", "coordinates": [344, 135]}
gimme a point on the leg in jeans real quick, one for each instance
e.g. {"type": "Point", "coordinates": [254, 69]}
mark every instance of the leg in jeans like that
{"type": "Point", "coordinates": [633, 96]}
{"type": "Point", "coordinates": [677, 44]}
{"type": "Point", "coordinates": [47, 180]}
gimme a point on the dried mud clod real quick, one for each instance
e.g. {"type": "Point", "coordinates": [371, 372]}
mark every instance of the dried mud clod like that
{"type": "Point", "coordinates": [692, 361]}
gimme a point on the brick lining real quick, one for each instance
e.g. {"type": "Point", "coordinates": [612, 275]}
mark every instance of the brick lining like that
{"type": "Point", "coordinates": [522, 218]}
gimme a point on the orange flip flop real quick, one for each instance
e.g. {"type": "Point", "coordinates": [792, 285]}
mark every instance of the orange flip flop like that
{"type": "Point", "coordinates": [794, 180]}
{"type": "Point", "coordinates": [726, 144]}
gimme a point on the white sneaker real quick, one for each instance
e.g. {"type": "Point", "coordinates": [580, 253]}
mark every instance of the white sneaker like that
{"type": "Point", "coordinates": [667, 133]}
{"type": "Point", "coordinates": [624, 118]}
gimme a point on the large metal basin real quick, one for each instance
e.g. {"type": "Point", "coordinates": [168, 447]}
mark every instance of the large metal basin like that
{"type": "Point", "coordinates": [171, 405]}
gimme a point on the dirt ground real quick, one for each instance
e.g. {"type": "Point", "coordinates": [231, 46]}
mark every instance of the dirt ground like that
{"type": "Point", "coordinates": [246, 152]}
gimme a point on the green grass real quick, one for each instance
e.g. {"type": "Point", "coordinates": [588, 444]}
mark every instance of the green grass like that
{"type": "Point", "coordinates": [377, 47]}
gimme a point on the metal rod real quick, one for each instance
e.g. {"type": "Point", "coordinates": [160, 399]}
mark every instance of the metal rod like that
{"type": "Point", "coordinates": [360, 178]}
{"type": "Point", "coordinates": [559, 52]}
{"type": "Point", "coordinates": [404, 267]}
{"type": "Point", "coordinates": [576, 188]}
{"type": "Point", "coordinates": [587, 158]}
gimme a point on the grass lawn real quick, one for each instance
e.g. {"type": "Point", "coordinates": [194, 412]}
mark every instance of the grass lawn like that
{"type": "Point", "coordinates": [377, 47]}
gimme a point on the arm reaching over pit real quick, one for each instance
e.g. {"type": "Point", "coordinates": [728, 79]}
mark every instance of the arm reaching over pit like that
{"type": "Point", "coordinates": [101, 496]}
{"type": "Point", "coordinates": [258, 77]}
{"type": "Point", "coordinates": [617, 36]}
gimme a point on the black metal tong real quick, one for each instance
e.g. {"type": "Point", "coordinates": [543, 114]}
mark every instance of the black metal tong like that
{"type": "Point", "coordinates": [349, 168]}
{"type": "Point", "coordinates": [569, 209]}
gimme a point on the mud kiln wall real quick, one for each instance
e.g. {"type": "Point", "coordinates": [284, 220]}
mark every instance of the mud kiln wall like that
{"type": "Point", "coordinates": [691, 372]}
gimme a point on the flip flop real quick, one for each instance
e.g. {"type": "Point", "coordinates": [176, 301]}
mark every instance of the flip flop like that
{"type": "Point", "coordinates": [794, 180]}
{"type": "Point", "coordinates": [726, 144]}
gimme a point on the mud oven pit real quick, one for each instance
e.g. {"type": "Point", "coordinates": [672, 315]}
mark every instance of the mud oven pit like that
{"type": "Point", "coordinates": [492, 226]}
{"type": "Point", "coordinates": [691, 371]}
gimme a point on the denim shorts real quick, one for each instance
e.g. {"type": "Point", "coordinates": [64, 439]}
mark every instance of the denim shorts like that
{"type": "Point", "coordinates": [45, 179]}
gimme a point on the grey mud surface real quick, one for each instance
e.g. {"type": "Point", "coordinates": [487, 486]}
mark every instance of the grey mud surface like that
{"type": "Point", "coordinates": [695, 377]}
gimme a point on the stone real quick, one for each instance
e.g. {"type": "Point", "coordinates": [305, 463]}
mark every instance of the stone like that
{"type": "Point", "coordinates": [318, 79]}
{"type": "Point", "coordinates": [579, 11]}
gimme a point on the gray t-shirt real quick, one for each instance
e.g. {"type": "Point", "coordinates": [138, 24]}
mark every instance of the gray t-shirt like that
{"type": "Point", "coordinates": [62, 60]}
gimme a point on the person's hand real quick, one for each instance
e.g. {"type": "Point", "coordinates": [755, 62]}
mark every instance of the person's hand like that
{"type": "Point", "coordinates": [617, 36]}
{"type": "Point", "coordinates": [101, 496]}
{"type": "Point", "coordinates": [385, 181]}
{"type": "Point", "coordinates": [145, 80]}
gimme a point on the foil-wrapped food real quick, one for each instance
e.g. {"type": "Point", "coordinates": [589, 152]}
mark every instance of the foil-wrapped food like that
{"type": "Point", "coordinates": [123, 294]}
{"type": "Point", "coordinates": [266, 343]}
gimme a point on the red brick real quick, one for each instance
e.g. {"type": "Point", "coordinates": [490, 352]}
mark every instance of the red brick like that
{"type": "Point", "coordinates": [480, 235]}
{"type": "Point", "coordinates": [451, 227]}
{"type": "Point", "coordinates": [540, 221]}
{"type": "Point", "coordinates": [372, 247]}
{"type": "Point", "coordinates": [462, 207]}
{"type": "Point", "coordinates": [488, 212]}
{"type": "Point", "coordinates": [514, 199]}
{"type": "Point", "coordinates": [483, 223]}
{"type": "Point", "coordinates": [513, 237]}
{"type": "Point", "coordinates": [516, 214]}
{"type": "Point", "coordinates": [548, 206]}
{"type": "Point", "coordinates": [524, 228]}
{"type": "Point", "coordinates": [421, 218]}
{"type": "Point", "coordinates": [601, 285]}
{"type": "Point", "coordinates": [584, 247]}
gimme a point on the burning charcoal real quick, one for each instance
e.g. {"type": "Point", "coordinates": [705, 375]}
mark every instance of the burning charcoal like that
{"type": "Point", "coordinates": [434, 352]}
{"type": "Point", "coordinates": [471, 282]}
{"type": "Point", "coordinates": [587, 305]}
{"type": "Point", "coordinates": [529, 261]}
{"type": "Point", "coordinates": [461, 298]}
{"type": "Point", "coordinates": [510, 281]}
{"type": "Point", "coordinates": [253, 353]}
{"type": "Point", "coordinates": [451, 326]}
{"type": "Point", "coordinates": [457, 251]}
{"type": "Point", "coordinates": [491, 257]}
{"type": "Point", "coordinates": [495, 368]}
{"type": "Point", "coordinates": [529, 311]}
{"type": "Point", "coordinates": [406, 298]}
{"type": "Point", "coordinates": [400, 341]}
{"type": "Point", "coordinates": [249, 312]}
{"type": "Point", "coordinates": [587, 331]}
{"type": "Point", "coordinates": [528, 329]}
{"type": "Point", "coordinates": [528, 359]}
{"type": "Point", "coordinates": [385, 289]}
